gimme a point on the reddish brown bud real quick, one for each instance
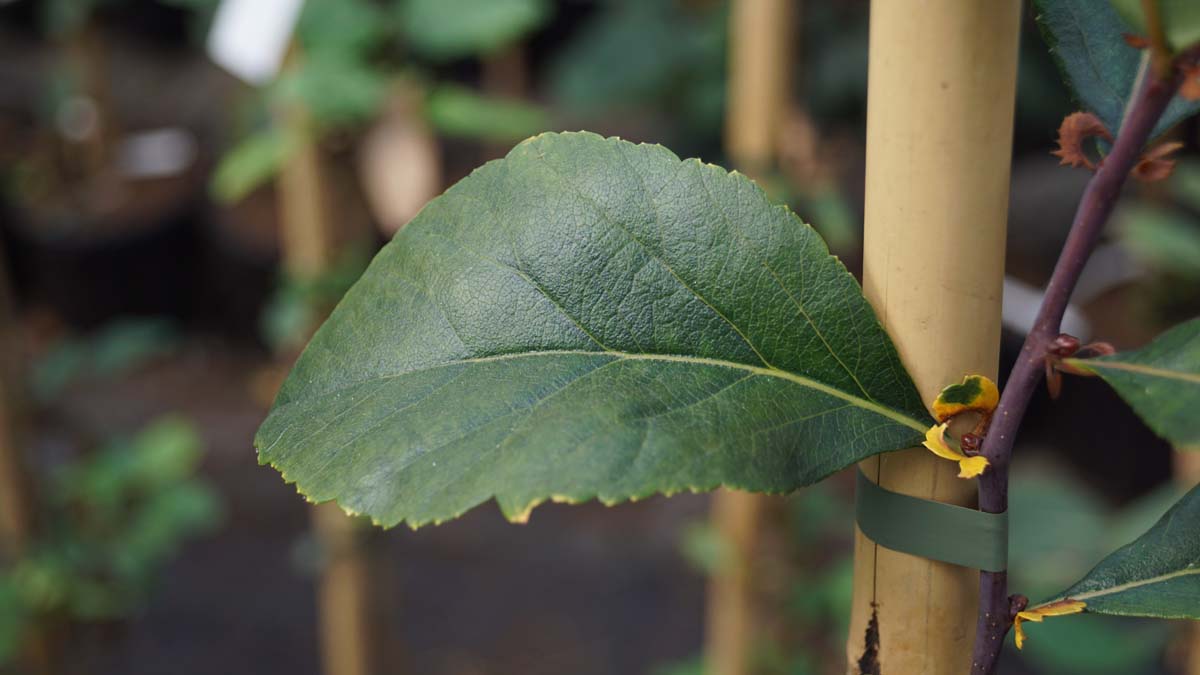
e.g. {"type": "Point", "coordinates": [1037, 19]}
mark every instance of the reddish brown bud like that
{"type": "Point", "coordinates": [970, 443]}
{"type": "Point", "coordinates": [1064, 345]}
{"type": "Point", "coordinates": [1016, 604]}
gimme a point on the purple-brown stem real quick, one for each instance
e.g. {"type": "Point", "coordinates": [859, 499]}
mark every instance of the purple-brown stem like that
{"type": "Point", "coordinates": [1094, 208]}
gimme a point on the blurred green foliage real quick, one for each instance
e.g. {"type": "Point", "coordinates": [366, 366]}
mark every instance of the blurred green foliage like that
{"type": "Point", "coordinates": [1162, 232]}
{"type": "Point", "coordinates": [298, 305]}
{"type": "Point", "coordinates": [109, 523]}
{"type": "Point", "coordinates": [250, 164]}
{"type": "Point", "coordinates": [664, 57]}
{"type": "Point", "coordinates": [1166, 235]}
{"type": "Point", "coordinates": [816, 605]}
{"type": "Point", "coordinates": [441, 30]}
{"type": "Point", "coordinates": [63, 17]}
{"type": "Point", "coordinates": [459, 111]}
{"type": "Point", "coordinates": [356, 53]}
{"type": "Point", "coordinates": [1180, 20]}
{"type": "Point", "coordinates": [690, 667]}
{"type": "Point", "coordinates": [1059, 530]}
{"type": "Point", "coordinates": [117, 347]}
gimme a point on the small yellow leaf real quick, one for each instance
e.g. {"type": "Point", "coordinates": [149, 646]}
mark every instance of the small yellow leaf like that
{"type": "Point", "coordinates": [935, 440]}
{"type": "Point", "coordinates": [976, 393]}
{"type": "Point", "coordinates": [1037, 614]}
{"type": "Point", "coordinates": [968, 467]}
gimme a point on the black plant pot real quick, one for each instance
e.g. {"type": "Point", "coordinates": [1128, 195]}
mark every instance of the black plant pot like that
{"type": "Point", "coordinates": [139, 260]}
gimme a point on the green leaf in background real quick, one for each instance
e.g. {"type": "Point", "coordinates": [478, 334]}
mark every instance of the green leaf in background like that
{"type": "Point", "coordinates": [1096, 645]}
{"type": "Point", "coordinates": [120, 346]}
{"type": "Point", "coordinates": [1180, 20]}
{"type": "Point", "coordinates": [298, 304]}
{"type": "Point", "coordinates": [341, 29]}
{"type": "Point", "coordinates": [334, 90]}
{"type": "Point", "coordinates": [1085, 38]}
{"type": "Point", "coordinates": [1158, 575]}
{"type": "Point", "coordinates": [13, 620]}
{"type": "Point", "coordinates": [1184, 184]}
{"type": "Point", "coordinates": [450, 29]}
{"type": "Point", "coordinates": [589, 318]}
{"type": "Point", "coordinates": [63, 17]}
{"type": "Point", "coordinates": [250, 164]}
{"type": "Point", "coordinates": [1160, 381]}
{"type": "Point", "coordinates": [1166, 239]}
{"type": "Point", "coordinates": [1048, 554]}
{"type": "Point", "coordinates": [666, 58]}
{"type": "Point", "coordinates": [458, 111]}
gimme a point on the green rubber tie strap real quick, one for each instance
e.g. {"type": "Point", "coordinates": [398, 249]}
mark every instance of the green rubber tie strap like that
{"type": "Point", "coordinates": [930, 529]}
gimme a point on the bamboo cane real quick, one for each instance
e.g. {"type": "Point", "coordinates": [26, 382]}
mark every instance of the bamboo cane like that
{"type": "Point", "coordinates": [760, 68]}
{"type": "Point", "coordinates": [306, 233]}
{"type": "Point", "coordinates": [759, 61]}
{"type": "Point", "coordinates": [941, 91]}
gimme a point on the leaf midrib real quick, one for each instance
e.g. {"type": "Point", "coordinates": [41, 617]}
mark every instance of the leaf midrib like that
{"type": "Point", "coordinates": [1128, 586]}
{"type": "Point", "coordinates": [801, 380]}
{"type": "Point", "coordinates": [1140, 369]}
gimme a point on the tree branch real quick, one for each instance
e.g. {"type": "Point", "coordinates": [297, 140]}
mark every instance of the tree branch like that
{"type": "Point", "coordinates": [1094, 209]}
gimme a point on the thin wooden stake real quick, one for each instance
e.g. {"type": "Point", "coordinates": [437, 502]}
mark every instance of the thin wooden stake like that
{"type": "Point", "coordinates": [760, 71]}
{"type": "Point", "coordinates": [343, 596]}
{"type": "Point", "coordinates": [941, 92]}
{"type": "Point", "coordinates": [759, 63]}
{"type": "Point", "coordinates": [307, 242]}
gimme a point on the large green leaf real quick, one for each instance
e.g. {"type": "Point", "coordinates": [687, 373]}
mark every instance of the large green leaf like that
{"type": "Point", "coordinates": [1160, 381]}
{"type": "Point", "coordinates": [1085, 37]}
{"type": "Point", "coordinates": [1157, 575]}
{"type": "Point", "coordinates": [589, 318]}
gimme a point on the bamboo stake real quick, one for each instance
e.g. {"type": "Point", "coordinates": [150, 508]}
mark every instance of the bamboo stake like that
{"type": "Point", "coordinates": [343, 596]}
{"type": "Point", "coordinates": [759, 61]}
{"type": "Point", "coordinates": [941, 90]}
{"type": "Point", "coordinates": [307, 243]}
{"type": "Point", "coordinates": [303, 205]}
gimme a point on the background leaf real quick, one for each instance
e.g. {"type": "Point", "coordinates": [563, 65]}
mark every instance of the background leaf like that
{"type": "Point", "coordinates": [1160, 381]}
{"type": "Point", "coordinates": [589, 318]}
{"type": "Point", "coordinates": [1047, 554]}
{"type": "Point", "coordinates": [1085, 38]}
{"type": "Point", "coordinates": [1180, 19]}
{"type": "Point", "coordinates": [1158, 575]}
{"type": "Point", "coordinates": [450, 29]}
{"type": "Point", "coordinates": [455, 110]}
{"type": "Point", "coordinates": [1167, 239]}
{"type": "Point", "coordinates": [250, 164]}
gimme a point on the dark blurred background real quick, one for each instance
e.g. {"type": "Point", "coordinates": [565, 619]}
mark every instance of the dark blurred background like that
{"type": "Point", "coordinates": [145, 196]}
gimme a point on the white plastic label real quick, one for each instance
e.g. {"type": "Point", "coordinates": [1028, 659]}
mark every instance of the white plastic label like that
{"type": "Point", "coordinates": [250, 38]}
